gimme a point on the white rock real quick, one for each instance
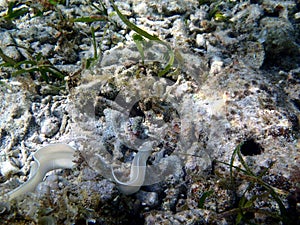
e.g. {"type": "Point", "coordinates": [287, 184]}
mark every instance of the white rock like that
{"type": "Point", "coordinates": [50, 127]}
{"type": "Point", "coordinates": [3, 3]}
{"type": "Point", "coordinates": [141, 8]}
{"type": "Point", "coordinates": [200, 41]}
{"type": "Point", "coordinates": [7, 168]}
{"type": "Point", "coordinates": [216, 66]}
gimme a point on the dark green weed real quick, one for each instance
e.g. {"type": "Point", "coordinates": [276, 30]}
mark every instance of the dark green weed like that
{"type": "Point", "coordinates": [34, 63]}
{"type": "Point", "coordinates": [15, 10]}
{"type": "Point", "coordinates": [139, 40]}
{"type": "Point", "coordinates": [246, 205]}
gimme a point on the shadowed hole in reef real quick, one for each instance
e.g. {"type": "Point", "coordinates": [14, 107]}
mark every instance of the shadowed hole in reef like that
{"type": "Point", "coordinates": [250, 147]}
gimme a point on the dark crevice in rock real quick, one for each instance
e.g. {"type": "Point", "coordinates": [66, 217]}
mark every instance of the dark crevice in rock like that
{"type": "Point", "coordinates": [250, 148]}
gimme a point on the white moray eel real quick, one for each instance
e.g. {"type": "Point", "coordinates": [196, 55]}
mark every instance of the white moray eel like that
{"type": "Point", "coordinates": [61, 156]}
{"type": "Point", "coordinates": [138, 171]}
{"type": "Point", "coordinates": [51, 157]}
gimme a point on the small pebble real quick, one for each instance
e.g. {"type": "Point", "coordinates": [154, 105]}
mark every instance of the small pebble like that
{"type": "Point", "coordinates": [200, 41]}
{"type": "Point", "coordinates": [50, 126]}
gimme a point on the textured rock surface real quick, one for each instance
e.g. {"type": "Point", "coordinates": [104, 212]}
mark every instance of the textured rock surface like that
{"type": "Point", "coordinates": [237, 80]}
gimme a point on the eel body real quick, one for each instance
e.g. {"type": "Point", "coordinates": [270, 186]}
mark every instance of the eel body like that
{"type": "Point", "coordinates": [51, 157]}
{"type": "Point", "coordinates": [61, 156]}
